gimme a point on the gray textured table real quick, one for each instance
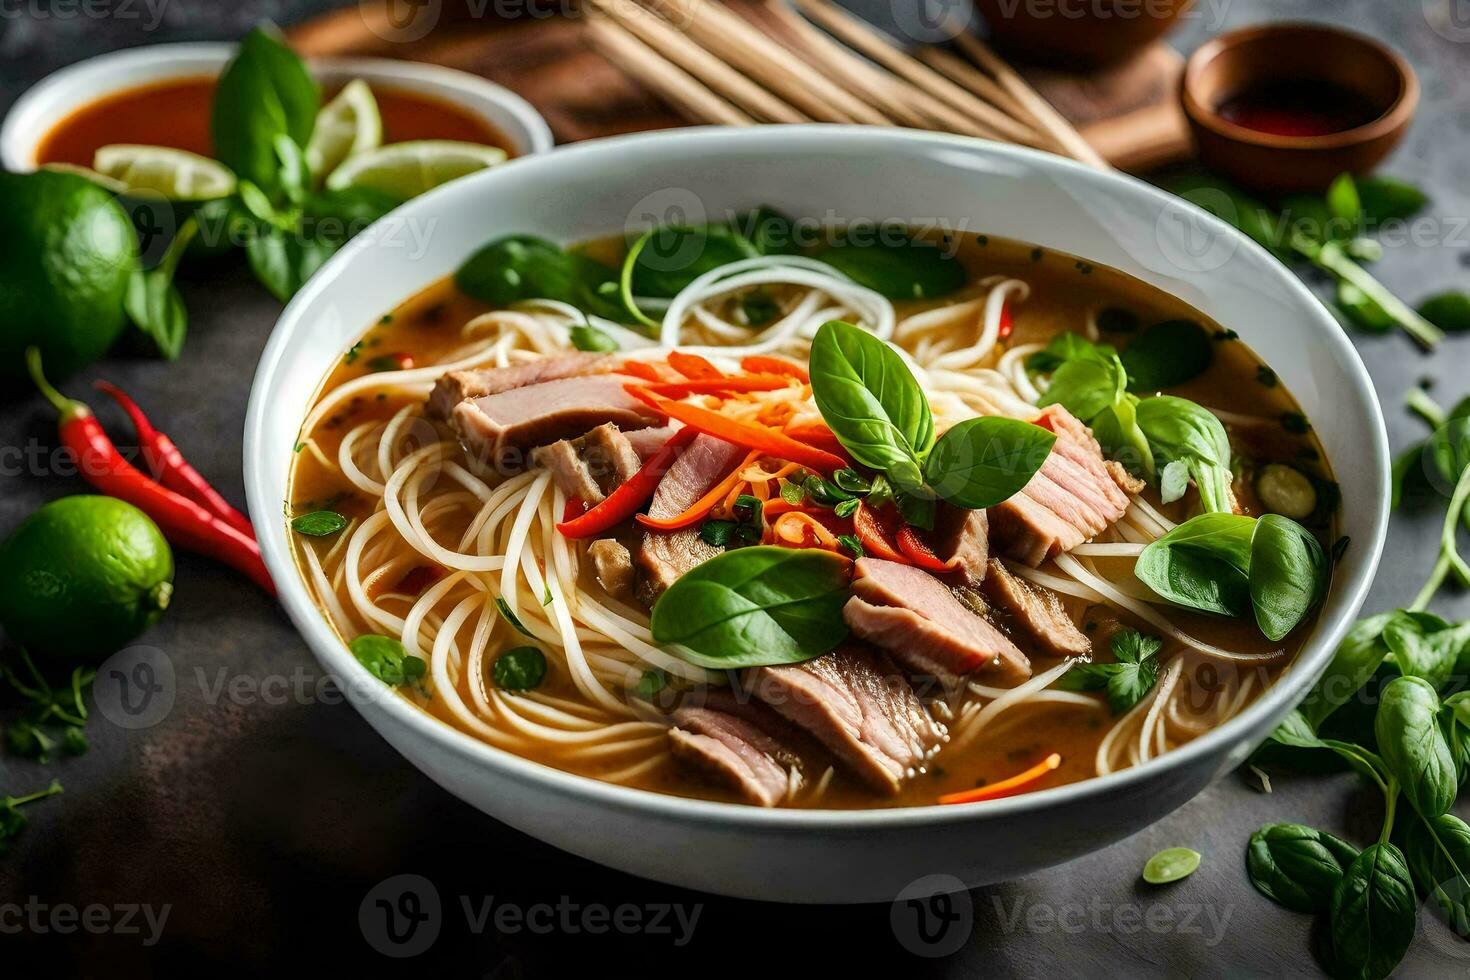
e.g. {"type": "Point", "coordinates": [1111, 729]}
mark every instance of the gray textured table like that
{"type": "Point", "coordinates": [260, 820]}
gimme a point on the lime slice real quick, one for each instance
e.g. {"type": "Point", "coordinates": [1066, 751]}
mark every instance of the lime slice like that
{"type": "Point", "coordinates": [106, 183]}
{"type": "Point", "coordinates": [408, 169]}
{"type": "Point", "coordinates": [348, 124]}
{"type": "Point", "coordinates": [176, 174]}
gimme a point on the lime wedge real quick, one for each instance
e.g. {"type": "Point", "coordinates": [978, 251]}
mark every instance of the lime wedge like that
{"type": "Point", "coordinates": [106, 183]}
{"type": "Point", "coordinates": [176, 174]}
{"type": "Point", "coordinates": [408, 169]}
{"type": "Point", "coordinates": [348, 124]}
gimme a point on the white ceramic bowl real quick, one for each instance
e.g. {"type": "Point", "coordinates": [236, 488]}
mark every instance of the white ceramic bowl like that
{"type": "Point", "coordinates": [63, 92]}
{"type": "Point", "coordinates": [847, 173]}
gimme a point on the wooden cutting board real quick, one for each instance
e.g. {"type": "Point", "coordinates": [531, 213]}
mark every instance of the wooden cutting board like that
{"type": "Point", "coordinates": [1129, 112]}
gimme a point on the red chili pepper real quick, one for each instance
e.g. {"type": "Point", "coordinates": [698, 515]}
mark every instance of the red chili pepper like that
{"type": "Point", "coordinates": [693, 366]}
{"type": "Point", "coordinates": [185, 522]}
{"type": "Point", "coordinates": [818, 435]}
{"type": "Point", "coordinates": [624, 502]}
{"type": "Point", "coordinates": [1006, 323]}
{"type": "Point", "coordinates": [918, 552]}
{"type": "Point", "coordinates": [574, 509]}
{"type": "Point", "coordinates": [761, 364]}
{"type": "Point", "coordinates": [751, 435]}
{"type": "Point", "coordinates": [875, 535]}
{"type": "Point", "coordinates": [174, 471]}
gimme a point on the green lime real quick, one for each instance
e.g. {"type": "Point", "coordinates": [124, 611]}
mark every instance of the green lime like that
{"type": "Point", "coordinates": [83, 576]}
{"type": "Point", "coordinates": [406, 170]}
{"type": "Point", "coordinates": [348, 124]}
{"type": "Point", "coordinates": [68, 250]}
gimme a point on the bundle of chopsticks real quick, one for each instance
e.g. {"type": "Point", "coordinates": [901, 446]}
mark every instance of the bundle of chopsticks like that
{"type": "Point", "coordinates": [774, 61]}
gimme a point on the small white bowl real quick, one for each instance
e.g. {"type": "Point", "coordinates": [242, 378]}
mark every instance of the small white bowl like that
{"type": "Point", "coordinates": [851, 174]}
{"type": "Point", "coordinates": [63, 92]}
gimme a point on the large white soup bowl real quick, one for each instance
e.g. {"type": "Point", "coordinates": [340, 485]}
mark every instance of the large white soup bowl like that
{"type": "Point", "coordinates": [842, 174]}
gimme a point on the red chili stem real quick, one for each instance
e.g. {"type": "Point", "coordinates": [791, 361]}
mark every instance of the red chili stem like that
{"type": "Point", "coordinates": [184, 522]}
{"type": "Point", "coordinates": [174, 471]}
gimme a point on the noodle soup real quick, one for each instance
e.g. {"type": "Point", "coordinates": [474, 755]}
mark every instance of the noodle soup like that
{"type": "Point", "coordinates": [555, 466]}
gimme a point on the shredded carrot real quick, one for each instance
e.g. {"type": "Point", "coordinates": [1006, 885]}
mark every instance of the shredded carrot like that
{"type": "Point", "coordinates": [1006, 787]}
{"type": "Point", "coordinates": [797, 530]}
{"type": "Point", "coordinates": [749, 382]}
{"type": "Point", "coordinates": [759, 364]}
{"type": "Point", "coordinates": [704, 504]}
{"type": "Point", "coordinates": [693, 366]}
{"type": "Point", "coordinates": [770, 442]}
{"type": "Point", "coordinates": [644, 370]}
{"type": "Point", "coordinates": [818, 435]}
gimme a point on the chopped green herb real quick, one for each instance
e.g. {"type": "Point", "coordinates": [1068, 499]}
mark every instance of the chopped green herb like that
{"type": "Point", "coordinates": [852, 481]}
{"type": "Point", "coordinates": [1169, 865]}
{"type": "Point", "coordinates": [387, 660]}
{"type": "Point", "coordinates": [1265, 377]}
{"type": "Point", "coordinates": [1114, 319]}
{"type": "Point", "coordinates": [12, 820]}
{"type": "Point", "coordinates": [510, 617]}
{"type": "Point", "coordinates": [386, 319]}
{"type": "Point", "coordinates": [520, 669]}
{"type": "Point", "coordinates": [586, 337]}
{"type": "Point", "coordinates": [851, 545]}
{"type": "Point", "coordinates": [651, 683]}
{"type": "Point", "coordinates": [717, 533]}
{"type": "Point", "coordinates": [1296, 423]}
{"type": "Point", "coordinates": [846, 507]}
{"type": "Point", "coordinates": [74, 740]}
{"type": "Point", "coordinates": [1225, 336]}
{"type": "Point", "coordinates": [759, 308]}
{"type": "Point", "coordinates": [353, 353]}
{"type": "Point", "coordinates": [319, 523]}
{"type": "Point", "coordinates": [1127, 681]}
{"type": "Point", "coordinates": [1036, 254]}
{"type": "Point", "coordinates": [793, 493]}
{"type": "Point", "coordinates": [1085, 268]}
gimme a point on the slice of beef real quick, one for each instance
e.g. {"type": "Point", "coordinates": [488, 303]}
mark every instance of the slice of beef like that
{"type": "Point", "coordinates": [1075, 496]}
{"type": "Point", "coordinates": [743, 743]}
{"type": "Point", "coordinates": [666, 555]}
{"type": "Point", "coordinates": [591, 467]}
{"type": "Point", "coordinates": [456, 386]}
{"type": "Point", "coordinates": [646, 442]}
{"type": "Point", "coordinates": [855, 702]}
{"type": "Point", "coordinates": [500, 428]}
{"type": "Point", "coordinates": [570, 471]}
{"type": "Point", "coordinates": [926, 628]}
{"type": "Point", "coordinates": [964, 535]}
{"type": "Point", "coordinates": [612, 563]}
{"type": "Point", "coordinates": [1037, 611]}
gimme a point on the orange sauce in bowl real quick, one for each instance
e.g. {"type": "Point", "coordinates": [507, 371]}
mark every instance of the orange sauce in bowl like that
{"type": "Point", "coordinates": [175, 113]}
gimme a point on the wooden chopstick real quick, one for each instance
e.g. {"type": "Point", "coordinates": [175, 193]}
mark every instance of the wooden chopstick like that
{"type": "Point", "coordinates": [869, 41]}
{"type": "Point", "coordinates": [659, 35]}
{"type": "Point", "coordinates": [680, 89]}
{"type": "Point", "coordinates": [1048, 118]}
{"type": "Point", "coordinates": [963, 73]}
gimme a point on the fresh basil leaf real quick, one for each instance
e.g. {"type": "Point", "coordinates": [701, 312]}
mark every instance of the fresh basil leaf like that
{"type": "Point", "coordinates": [673, 256]}
{"type": "Point", "coordinates": [1423, 645]}
{"type": "Point", "coordinates": [264, 93]}
{"type": "Point", "coordinates": [1118, 432]}
{"type": "Point", "coordinates": [847, 507]}
{"type": "Point", "coordinates": [1087, 379]}
{"type": "Point", "coordinates": [1202, 564]}
{"type": "Point", "coordinates": [1448, 311]}
{"type": "Point", "coordinates": [901, 270]}
{"type": "Point", "coordinates": [982, 462]}
{"type": "Point", "coordinates": [319, 523]}
{"type": "Point", "coordinates": [717, 533]}
{"type": "Point", "coordinates": [1372, 914]}
{"type": "Point", "coordinates": [1438, 855]}
{"type": "Point", "coordinates": [585, 336]}
{"type": "Point", "coordinates": [755, 607]}
{"type": "Point", "coordinates": [293, 176]}
{"type": "Point", "coordinates": [387, 660]}
{"type": "Point", "coordinates": [518, 267]}
{"type": "Point", "coordinates": [283, 260]}
{"type": "Point", "coordinates": [344, 212]}
{"type": "Point", "coordinates": [1173, 481]}
{"type": "Point", "coordinates": [1297, 867]}
{"type": "Point", "coordinates": [851, 481]}
{"type": "Point", "coordinates": [1354, 663]}
{"type": "Point", "coordinates": [1289, 574]}
{"type": "Point", "coordinates": [1388, 198]}
{"type": "Point", "coordinates": [519, 669]}
{"type": "Point", "coordinates": [508, 614]}
{"type": "Point", "coordinates": [868, 397]}
{"type": "Point", "coordinates": [917, 508]}
{"type": "Point", "coordinates": [1178, 430]}
{"type": "Point", "coordinates": [1233, 206]}
{"type": "Point", "coordinates": [793, 493]}
{"type": "Point", "coordinates": [1166, 355]}
{"type": "Point", "coordinates": [852, 544]}
{"type": "Point", "coordinates": [152, 301]}
{"type": "Point", "coordinates": [1413, 745]}
{"type": "Point", "coordinates": [1343, 200]}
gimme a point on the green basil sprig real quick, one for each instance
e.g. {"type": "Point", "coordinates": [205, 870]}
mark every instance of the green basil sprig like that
{"type": "Point", "coordinates": [264, 94]}
{"type": "Point", "coordinates": [754, 607]}
{"type": "Point", "coordinates": [1233, 565]}
{"type": "Point", "coordinates": [1438, 854]}
{"type": "Point", "coordinates": [1412, 744]}
{"type": "Point", "coordinates": [1373, 914]}
{"type": "Point", "coordinates": [1296, 866]}
{"type": "Point", "coordinates": [869, 398]}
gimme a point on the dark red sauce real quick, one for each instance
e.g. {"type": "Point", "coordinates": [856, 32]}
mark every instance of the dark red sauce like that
{"type": "Point", "coordinates": [1298, 107]}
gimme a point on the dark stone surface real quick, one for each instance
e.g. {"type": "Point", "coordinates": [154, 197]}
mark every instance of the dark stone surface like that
{"type": "Point", "coordinates": [262, 820]}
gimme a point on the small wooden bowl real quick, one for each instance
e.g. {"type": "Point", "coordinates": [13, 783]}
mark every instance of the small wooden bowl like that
{"type": "Point", "coordinates": [1238, 60]}
{"type": "Point", "coordinates": [1071, 35]}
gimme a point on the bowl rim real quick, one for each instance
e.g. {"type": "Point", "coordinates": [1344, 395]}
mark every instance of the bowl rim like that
{"type": "Point", "coordinates": [29, 119]}
{"type": "Point", "coordinates": [1391, 119]}
{"type": "Point", "coordinates": [703, 141]}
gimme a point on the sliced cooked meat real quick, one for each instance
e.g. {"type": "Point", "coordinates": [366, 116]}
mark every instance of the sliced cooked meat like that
{"type": "Point", "coordinates": [963, 535]}
{"type": "Point", "coordinates": [646, 442]}
{"type": "Point", "coordinates": [1131, 484]}
{"type": "Point", "coordinates": [499, 428]}
{"type": "Point", "coordinates": [854, 702]}
{"type": "Point", "coordinates": [743, 743]}
{"type": "Point", "coordinates": [666, 555]}
{"type": "Point", "coordinates": [590, 468]}
{"type": "Point", "coordinates": [929, 631]}
{"type": "Point", "coordinates": [612, 563]}
{"type": "Point", "coordinates": [455, 386]}
{"type": "Point", "coordinates": [1074, 497]}
{"type": "Point", "coordinates": [1037, 611]}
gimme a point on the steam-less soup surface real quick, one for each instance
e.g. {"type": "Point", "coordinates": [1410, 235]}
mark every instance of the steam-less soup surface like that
{"type": "Point", "coordinates": [1054, 654]}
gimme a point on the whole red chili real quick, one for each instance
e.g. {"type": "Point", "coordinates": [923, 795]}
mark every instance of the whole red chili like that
{"type": "Point", "coordinates": [185, 522]}
{"type": "Point", "coordinates": [174, 471]}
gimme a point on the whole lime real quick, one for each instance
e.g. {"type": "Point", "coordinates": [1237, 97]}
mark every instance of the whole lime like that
{"type": "Point", "coordinates": [67, 249]}
{"type": "Point", "coordinates": [82, 576]}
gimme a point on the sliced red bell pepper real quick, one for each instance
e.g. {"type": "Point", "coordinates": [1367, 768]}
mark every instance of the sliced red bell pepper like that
{"type": "Point", "coordinates": [693, 366]}
{"type": "Point", "coordinates": [624, 502]}
{"type": "Point", "coordinates": [818, 435]}
{"type": "Point", "coordinates": [875, 535]}
{"type": "Point", "coordinates": [751, 435]}
{"type": "Point", "coordinates": [918, 552]}
{"type": "Point", "coordinates": [760, 364]}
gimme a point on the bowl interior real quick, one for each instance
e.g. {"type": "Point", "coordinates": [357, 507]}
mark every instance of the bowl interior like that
{"type": "Point", "coordinates": [837, 175]}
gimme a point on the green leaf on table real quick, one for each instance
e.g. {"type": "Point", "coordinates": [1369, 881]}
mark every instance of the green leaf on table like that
{"type": "Point", "coordinates": [153, 303]}
{"type": "Point", "coordinates": [1413, 746]}
{"type": "Point", "coordinates": [1438, 854]}
{"type": "Point", "coordinates": [1372, 915]}
{"type": "Point", "coordinates": [1389, 198]}
{"type": "Point", "coordinates": [1448, 311]}
{"type": "Point", "coordinates": [1343, 200]}
{"type": "Point", "coordinates": [1296, 866]}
